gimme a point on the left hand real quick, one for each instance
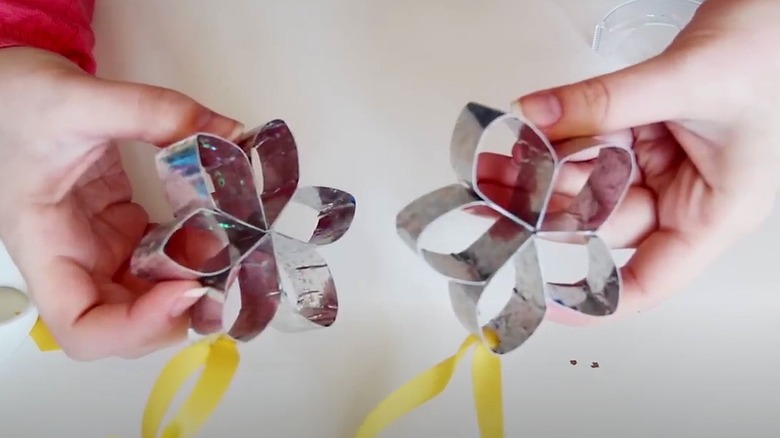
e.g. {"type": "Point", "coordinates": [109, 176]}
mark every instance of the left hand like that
{"type": "Point", "coordinates": [66, 211]}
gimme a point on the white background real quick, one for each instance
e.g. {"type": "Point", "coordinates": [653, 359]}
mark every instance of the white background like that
{"type": "Point", "coordinates": [371, 90]}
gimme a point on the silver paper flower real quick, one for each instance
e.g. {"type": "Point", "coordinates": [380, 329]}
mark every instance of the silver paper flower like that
{"type": "Point", "coordinates": [226, 198]}
{"type": "Point", "coordinates": [521, 217]}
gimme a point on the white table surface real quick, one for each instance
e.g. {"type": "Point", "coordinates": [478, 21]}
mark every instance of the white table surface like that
{"type": "Point", "coordinates": [371, 90]}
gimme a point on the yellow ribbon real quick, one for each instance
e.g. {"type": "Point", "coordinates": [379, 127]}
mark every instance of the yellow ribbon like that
{"type": "Point", "coordinates": [219, 358]}
{"type": "Point", "coordinates": [486, 381]}
{"type": "Point", "coordinates": [42, 337]}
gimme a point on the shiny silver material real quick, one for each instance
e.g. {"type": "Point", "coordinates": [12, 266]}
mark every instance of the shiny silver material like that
{"type": "Point", "coordinates": [521, 214]}
{"type": "Point", "coordinates": [226, 198]}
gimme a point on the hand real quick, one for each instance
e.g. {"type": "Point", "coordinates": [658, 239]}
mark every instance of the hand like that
{"type": "Point", "coordinates": [703, 120]}
{"type": "Point", "coordinates": [66, 215]}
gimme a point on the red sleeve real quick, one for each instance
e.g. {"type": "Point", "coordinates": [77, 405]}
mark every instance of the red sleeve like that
{"type": "Point", "coordinates": [60, 26]}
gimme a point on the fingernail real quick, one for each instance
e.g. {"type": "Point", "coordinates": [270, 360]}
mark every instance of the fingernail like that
{"type": "Point", "coordinates": [515, 107]}
{"type": "Point", "coordinates": [238, 130]}
{"type": "Point", "coordinates": [543, 109]}
{"type": "Point", "coordinates": [218, 124]}
{"type": "Point", "coordinates": [187, 300]}
{"type": "Point", "coordinates": [216, 295]}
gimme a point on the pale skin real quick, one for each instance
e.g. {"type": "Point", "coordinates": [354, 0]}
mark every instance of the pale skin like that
{"type": "Point", "coordinates": [67, 218]}
{"type": "Point", "coordinates": [702, 119]}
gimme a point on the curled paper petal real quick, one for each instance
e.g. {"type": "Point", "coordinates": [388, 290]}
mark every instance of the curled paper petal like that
{"type": "Point", "coordinates": [275, 161]}
{"type": "Point", "coordinates": [335, 211]}
{"type": "Point", "coordinates": [217, 242]}
{"type": "Point", "coordinates": [523, 312]}
{"type": "Point", "coordinates": [532, 158]}
{"type": "Point", "coordinates": [259, 284]}
{"type": "Point", "coordinates": [206, 171]}
{"type": "Point", "coordinates": [483, 258]}
{"type": "Point", "coordinates": [311, 300]}
{"type": "Point", "coordinates": [599, 293]}
{"type": "Point", "coordinates": [604, 190]}
{"type": "Point", "coordinates": [421, 213]}
{"type": "Point", "coordinates": [478, 262]}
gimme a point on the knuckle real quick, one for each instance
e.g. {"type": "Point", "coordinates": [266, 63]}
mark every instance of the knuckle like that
{"type": "Point", "coordinates": [167, 110]}
{"type": "Point", "coordinates": [596, 97]}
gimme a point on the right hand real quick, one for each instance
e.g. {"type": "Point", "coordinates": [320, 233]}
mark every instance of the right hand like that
{"type": "Point", "coordinates": [704, 121]}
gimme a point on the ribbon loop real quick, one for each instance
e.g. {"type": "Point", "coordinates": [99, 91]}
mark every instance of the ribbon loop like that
{"type": "Point", "coordinates": [221, 358]}
{"type": "Point", "coordinates": [486, 374]}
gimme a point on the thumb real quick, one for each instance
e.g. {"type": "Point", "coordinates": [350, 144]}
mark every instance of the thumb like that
{"type": "Point", "coordinates": [159, 317]}
{"type": "Point", "coordinates": [653, 91]}
{"type": "Point", "coordinates": [156, 319]}
{"type": "Point", "coordinates": [113, 110]}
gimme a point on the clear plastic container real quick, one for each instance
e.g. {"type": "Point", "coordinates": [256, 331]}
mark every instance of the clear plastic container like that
{"type": "Point", "coordinates": [640, 29]}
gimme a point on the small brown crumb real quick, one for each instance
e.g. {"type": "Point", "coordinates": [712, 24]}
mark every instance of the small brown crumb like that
{"type": "Point", "coordinates": [594, 365]}
{"type": "Point", "coordinates": [17, 313]}
{"type": "Point", "coordinates": [573, 362]}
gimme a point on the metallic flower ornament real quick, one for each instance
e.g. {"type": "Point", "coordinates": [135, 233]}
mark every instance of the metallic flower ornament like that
{"type": "Point", "coordinates": [226, 198]}
{"type": "Point", "coordinates": [522, 215]}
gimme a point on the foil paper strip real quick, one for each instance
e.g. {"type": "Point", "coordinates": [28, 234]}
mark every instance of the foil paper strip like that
{"type": "Point", "coordinates": [226, 198]}
{"type": "Point", "coordinates": [521, 216]}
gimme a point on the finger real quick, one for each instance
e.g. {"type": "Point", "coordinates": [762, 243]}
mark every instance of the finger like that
{"type": "Point", "coordinates": [587, 148]}
{"type": "Point", "coordinates": [638, 95]}
{"type": "Point", "coordinates": [633, 221]}
{"type": "Point", "coordinates": [636, 206]}
{"type": "Point", "coordinates": [495, 168]}
{"type": "Point", "coordinates": [191, 247]}
{"type": "Point", "coordinates": [198, 249]}
{"type": "Point", "coordinates": [128, 111]}
{"type": "Point", "coordinates": [501, 170]}
{"type": "Point", "coordinates": [483, 211]}
{"type": "Point", "coordinates": [627, 227]}
{"type": "Point", "coordinates": [87, 328]}
{"type": "Point", "coordinates": [573, 177]}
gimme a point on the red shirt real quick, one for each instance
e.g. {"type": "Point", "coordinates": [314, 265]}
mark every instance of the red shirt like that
{"type": "Point", "coordinates": [60, 26]}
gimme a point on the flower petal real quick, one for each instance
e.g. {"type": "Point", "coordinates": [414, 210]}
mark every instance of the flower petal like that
{"type": "Point", "coordinates": [206, 171]}
{"type": "Point", "coordinates": [423, 211]}
{"type": "Point", "coordinates": [335, 211]}
{"type": "Point", "coordinates": [478, 262]}
{"type": "Point", "coordinates": [523, 161]}
{"type": "Point", "coordinates": [483, 258]}
{"type": "Point", "coordinates": [259, 283]}
{"type": "Point", "coordinates": [599, 293]}
{"type": "Point", "coordinates": [522, 314]}
{"type": "Point", "coordinates": [221, 243]}
{"type": "Point", "coordinates": [310, 300]}
{"type": "Point", "coordinates": [605, 188]}
{"type": "Point", "coordinates": [274, 157]}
